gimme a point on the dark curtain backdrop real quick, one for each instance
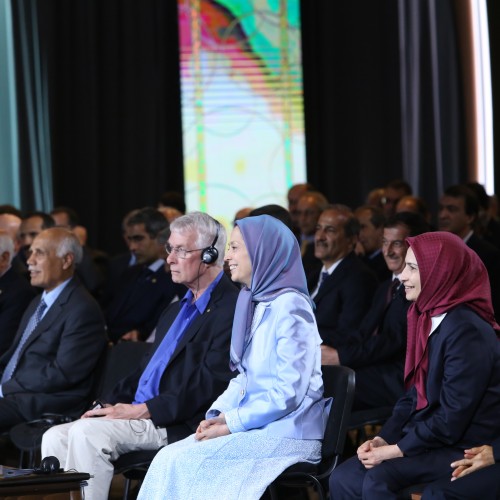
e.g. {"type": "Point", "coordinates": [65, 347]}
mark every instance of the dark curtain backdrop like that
{"type": "Point", "coordinates": [351, 86]}
{"type": "Point", "coordinates": [361, 132]}
{"type": "Point", "coordinates": [494, 31]}
{"type": "Point", "coordinates": [113, 71]}
{"type": "Point", "coordinates": [113, 74]}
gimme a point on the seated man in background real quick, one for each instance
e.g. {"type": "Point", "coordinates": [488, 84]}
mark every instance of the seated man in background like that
{"type": "Point", "coordinates": [164, 399]}
{"type": "Point", "coordinates": [369, 248]}
{"type": "Point", "coordinates": [144, 290]}
{"type": "Point", "coordinates": [15, 294]}
{"type": "Point", "coordinates": [50, 365]}
{"type": "Point", "coordinates": [31, 226]}
{"type": "Point", "coordinates": [344, 289]}
{"type": "Point", "coordinates": [92, 268]}
{"type": "Point", "coordinates": [377, 350]}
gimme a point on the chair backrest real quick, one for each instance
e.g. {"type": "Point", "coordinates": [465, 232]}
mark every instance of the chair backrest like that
{"type": "Point", "coordinates": [339, 382]}
{"type": "Point", "coordinates": [121, 360]}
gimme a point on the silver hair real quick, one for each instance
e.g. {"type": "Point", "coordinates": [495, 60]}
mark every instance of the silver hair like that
{"type": "Point", "coordinates": [69, 244]}
{"type": "Point", "coordinates": [7, 245]}
{"type": "Point", "coordinates": [206, 228]}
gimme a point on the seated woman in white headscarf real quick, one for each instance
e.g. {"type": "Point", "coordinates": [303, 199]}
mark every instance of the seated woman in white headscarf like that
{"type": "Point", "coordinates": [272, 414]}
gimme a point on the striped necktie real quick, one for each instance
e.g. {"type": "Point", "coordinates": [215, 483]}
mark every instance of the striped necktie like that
{"type": "Point", "coordinates": [30, 327]}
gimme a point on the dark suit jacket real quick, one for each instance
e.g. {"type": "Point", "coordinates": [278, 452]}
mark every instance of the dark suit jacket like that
{"type": "Point", "coordinates": [379, 359]}
{"type": "Point", "coordinates": [312, 265]}
{"type": "Point", "coordinates": [140, 298]}
{"type": "Point", "coordinates": [198, 371]}
{"type": "Point", "coordinates": [343, 300]}
{"type": "Point", "coordinates": [55, 369]}
{"type": "Point", "coordinates": [378, 265]}
{"type": "Point", "coordinates": [463, 390]}
{"type": "Point", "coordinates": [490, 256]}
{"type": "Point", "coordinates": [15, 295]}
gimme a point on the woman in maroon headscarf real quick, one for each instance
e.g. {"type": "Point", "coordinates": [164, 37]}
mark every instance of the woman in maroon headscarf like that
{"type": "Point", "coordinates": [452, 374]}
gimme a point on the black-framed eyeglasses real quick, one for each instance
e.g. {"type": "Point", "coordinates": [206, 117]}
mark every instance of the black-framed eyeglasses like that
{"type": "Point", "coordinates": [180, 252]}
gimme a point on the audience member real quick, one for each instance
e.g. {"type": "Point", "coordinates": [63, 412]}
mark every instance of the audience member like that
{"type": "Point", "coordinates": [272, 414]}
{"type": "Point", "coordinates": [10, 223]}
{"type": "Point", "coordinates": [309, 208]}
{"type": "Point", "coordinates": [164, 398]}
{"type": "Point", "coordinates": [452, 373]}
{"type": "Point", "coordinates": [119, 263]}
{"type": "Point", "coordinates": [414, 204]}
{"type": "Point", "coordinates": [93, 267]}
{"type": "Point", "coordinates": [293, 196]}
{"type": "Point", "coordinates": [487, 226]}
{"type": "Point", "coordinates": [143, 290]}
{"type": "Point", "coordinates": [458, 213]}
{"type": "Point", "coordinates": [15, 294]}
{"type": "Point", "coordinates": [371, 229]}
{"type": "Point", "coordinates": [343, 290]}
{"type": "Point", "coordinates": [31, 226]}
{"type": "Point", "coordinates": [277, 211]}
{"type": "Point", "coordinates": [49, 366]}
{"type": "Point", "coordinates": [173, 199]}
{"type": "Point", "coordinates": [377, 352]}
{"type": "Point", "coordinates": [394, 191]}
{"type": "Point", "coordinates": [242, 213]}
{"type": "Point", "coordinates": [375, 197]}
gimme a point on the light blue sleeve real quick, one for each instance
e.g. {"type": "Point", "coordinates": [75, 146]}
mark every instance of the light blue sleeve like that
{"type": "Point", "coordinates": [280, 362]}
{"type": "Point", "coordinates": [227, 400]}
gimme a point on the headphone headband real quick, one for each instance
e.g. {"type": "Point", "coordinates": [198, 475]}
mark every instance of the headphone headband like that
{"type": "Point", "coordinates": [210, 254]}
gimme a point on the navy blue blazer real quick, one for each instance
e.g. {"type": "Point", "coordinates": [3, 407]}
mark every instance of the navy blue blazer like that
{"type": "Point", "coordinates": [343, 300]}
{"type": "Point", "coordinates": [377, 352]}
{"type": "Point", "coordinates": [140, 298]}
{"type": "Point", "coordinates": [198, 371]}
{"type": "Point", "coordinates": [15, 295]}
{"type": "Point", "coordinates": [463, 390]}
{"type": "Point", "coordinates": [55, 371]}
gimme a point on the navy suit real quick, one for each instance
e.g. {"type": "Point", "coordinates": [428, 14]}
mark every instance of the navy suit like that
{"type": "Point", "coordinates": [343, 300]}
{"type": "Point", "coordinates": [378, 265]}
{"type": "Point", "coordinates": [15, 295]}
{"type": "Point", "coordinates": [55, 369]}
{"type": "Point", "coordinates": [198, 371]}
{"type": "Point", "coordinates": [490, 256]}
{"type": "Point", "coordinates": [140, 298]}
{"type": "Point", "coordinates": [463, 393]}
{"type": "Point", "coordinates": [377, 353]}
{"type": "Point", "coordinates": [483, 483]}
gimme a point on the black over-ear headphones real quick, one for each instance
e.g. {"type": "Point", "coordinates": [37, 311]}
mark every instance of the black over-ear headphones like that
{"type": "Point", "coordinates": [210, 254]}
{"type": "Point", "coordinates": [49, 465]}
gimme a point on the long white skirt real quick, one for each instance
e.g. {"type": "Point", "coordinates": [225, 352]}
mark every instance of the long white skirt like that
{"type": "Point", "coordinates": [238, 466]}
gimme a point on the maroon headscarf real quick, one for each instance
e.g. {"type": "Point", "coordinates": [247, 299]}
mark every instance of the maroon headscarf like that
{"type": "Point", "coordinates": [451, 274]}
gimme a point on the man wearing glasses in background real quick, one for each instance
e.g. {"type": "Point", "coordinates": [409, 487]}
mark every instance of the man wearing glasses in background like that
{"type": "Point", "coordinates": [165, 398]}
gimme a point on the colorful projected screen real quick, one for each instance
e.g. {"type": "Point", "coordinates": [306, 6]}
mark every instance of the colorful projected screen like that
{"type": "Point", "coordinates": [242, 105]}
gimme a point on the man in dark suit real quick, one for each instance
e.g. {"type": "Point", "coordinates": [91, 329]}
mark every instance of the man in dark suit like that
{"type": "Point", "coordinates": [371, 230]}
{"type": "Point", "coordinates": [165, 398]}
{"type": "Point", "coordinates": [458, 213]}
{"type": "Point", "coordinates": [143, 290]}
{"type": "Point", "coordinates": [309, 208]}
{"type": "Point", "coordinates": [15, 294]}
{"type": "Point", "coordinates": [344, 289]}
{"type": "Point", "coordinates": [49, 366]}
{"type": "Point", "coordinates": [377, 350]}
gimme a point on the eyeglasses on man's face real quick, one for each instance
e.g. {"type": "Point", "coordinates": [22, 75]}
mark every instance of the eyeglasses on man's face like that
{"type": "Point", "coordinates": [180, 252]}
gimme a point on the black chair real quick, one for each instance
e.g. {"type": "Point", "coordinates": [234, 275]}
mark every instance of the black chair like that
{"type": "Point", "coordinates": [338, 383]}
{"type": "Point", "coordinates": [115, 363]}
{"type": "Point", "coordinates": [360, 419]}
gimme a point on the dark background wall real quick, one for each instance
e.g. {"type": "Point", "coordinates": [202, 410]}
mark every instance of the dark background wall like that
{"type": "Point", "coordinates": [115, 103]}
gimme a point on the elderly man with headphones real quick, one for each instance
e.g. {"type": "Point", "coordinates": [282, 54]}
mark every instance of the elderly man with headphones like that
{"type": "Point", "coordinates": [165, 398]}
